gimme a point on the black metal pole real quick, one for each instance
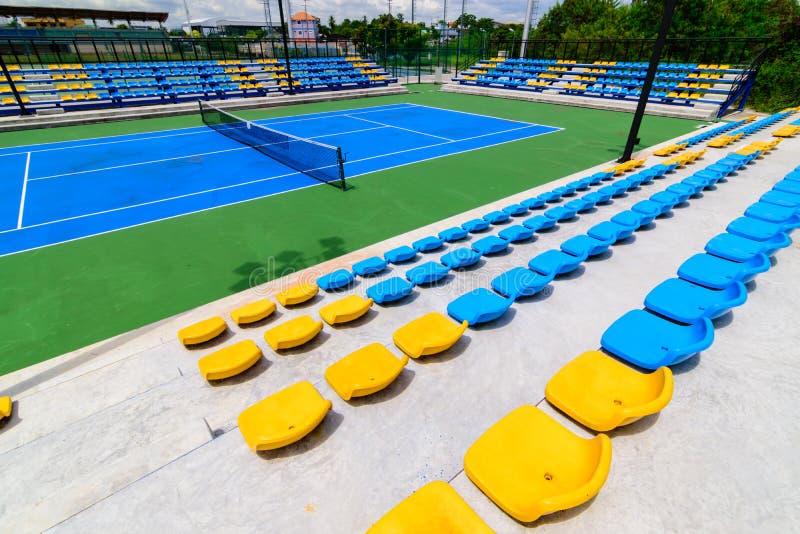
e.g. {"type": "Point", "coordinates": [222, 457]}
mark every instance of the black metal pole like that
{"type": "Point", "coordinates": [285, 39]}
{"type": "Point", "coordinates": [633, 135]}
{"type": "Point", "coordinates": [22, 109]}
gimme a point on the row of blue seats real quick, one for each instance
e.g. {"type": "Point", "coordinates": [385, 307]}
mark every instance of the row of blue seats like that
{"type": "Point", "coordinates": [676, 321]}
{"type": "Point", "coordinates": [617, 64]}
{"type": "Point", "coordinates": [762, 123]}
{"type": "Point", "coordinates": [485, 305]}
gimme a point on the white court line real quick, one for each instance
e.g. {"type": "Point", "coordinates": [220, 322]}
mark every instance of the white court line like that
{"type": "Point", "coordinates": [24, 190]}
{"type": "Point", "coordinates": [202, 130]}
{"type": "Point", "coordinates": [230, 186]}
{"type": "Point", "coordinates": [243, 147]}
{"type": "Point", "coordinates": [401, 128]}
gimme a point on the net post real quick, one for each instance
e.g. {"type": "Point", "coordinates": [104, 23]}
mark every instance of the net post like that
{"type": "Point", "coordinates": [340, 164]}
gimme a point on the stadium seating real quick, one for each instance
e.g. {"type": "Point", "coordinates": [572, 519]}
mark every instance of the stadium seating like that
{"type": "Point", "coordinates": [683, 84]}
{"type": "Point", "coordinates": [253, 312]}
{"type": "Point", "coordinates": [283, 418]}
{"type": "Point", "coordinates": [435, 507]}
{"type": "Point", "coordinates": [686, 302]}
{"type": "Point", "coordinates": [602, 393]}
{"type": "Point", "coordinates": [292, 333]}
{"type": "Point", "coordinates": [97, 85]}
{"type": "Point", "coordinates": [530, 465]}
{"type": "Point", "coordinates": [390, 290]}
{"type": "Point", "coordinates": [230, 361]}
{"type": "Point", "coordinates": [479, 306]}
{"type": "Point", "coordinates": [430, 334]}
{"type": "Point", "coordinates": [365, 371]}
{"type": "Point", "coordinates": [203, 331]}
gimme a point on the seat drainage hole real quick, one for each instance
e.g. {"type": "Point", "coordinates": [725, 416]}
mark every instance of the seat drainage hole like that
{"type": "Point", "coordinates": [548, 476]}
{"type": "Point", "coordinates": [617, 402]}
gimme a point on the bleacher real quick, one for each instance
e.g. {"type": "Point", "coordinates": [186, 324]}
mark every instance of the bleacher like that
{"type": "Point", "coordinates": [682, 84]}
{"type": "Point", "coordinates": [80, 86]}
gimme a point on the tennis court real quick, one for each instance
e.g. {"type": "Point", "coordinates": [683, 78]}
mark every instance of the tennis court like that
{"type": "Point", "coordinates": [64, 191]}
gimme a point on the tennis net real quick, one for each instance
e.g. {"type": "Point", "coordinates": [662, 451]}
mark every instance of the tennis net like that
{"type": "Point", "coordinates": [318, 160]}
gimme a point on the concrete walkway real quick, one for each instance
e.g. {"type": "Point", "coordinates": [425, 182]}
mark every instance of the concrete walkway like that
{"type": "Point", "coordinates": [125, 434]}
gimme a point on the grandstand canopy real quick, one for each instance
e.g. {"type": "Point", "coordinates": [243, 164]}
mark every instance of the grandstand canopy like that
{"type": "Point", "coordinates": [77, 13]}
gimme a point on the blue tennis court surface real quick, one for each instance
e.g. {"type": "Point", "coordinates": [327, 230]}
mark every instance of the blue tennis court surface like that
{"type": "Point", "coordinates": [58, 192]}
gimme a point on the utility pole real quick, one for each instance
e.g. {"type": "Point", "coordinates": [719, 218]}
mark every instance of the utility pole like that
{"type": "Point", "coordinates": [412, 11]}
{"type": "Point", "coordinates": [188, 17]}
{"type": "Point", "coordinates": [531, 13]}
{"type": "Point", "coordinates": [390, 7]}
{"type": "Point", "coordinates": [633, 135]}
{"type": "Point", "coordinates": [267, 16]}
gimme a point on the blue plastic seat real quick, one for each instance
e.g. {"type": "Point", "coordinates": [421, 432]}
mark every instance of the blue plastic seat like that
{"type": "Point", "coordinates": [479, 306]}
{"type": "Point", "coordinates": [555, 262]}
{"type": "Point", "coordinates": [648, 209]}
{"type": "Point", "coordinates": [585, 246]}
{"type": "Point", "coordinates": [682, 191]}
{"type": "Point", "coordinates": [427, 273]}
{"type": "Point", "coordinates": [597, 197]}
{"type": "Point", "coordinates": [475, 225]}
{"type": "Point", "coordinates": [539, 222]}
{"type": "Point", "coordinates": [560, 213]}
{"type": "Point", "coordinates": [631, 219]}
{"type": "Point", "coordinates": [650, 341]}
{"type": "Point", "coordinates": [788, 186]}
{"type": "Point", "coordinates": [515, 210]}
{"type": "Point", "coordinates": [609, 231]}
{"type": "Point", "coordinates": [738, 248]}
{"type": "Point", "coordinates": [533, 202]}
{"type": "Point", "coordinates": [460, 257]}
{"type": "Point", "coordinates": [516, 233]}
{"type": "Point", "coordinates": [669, 200]}
{"type": "Point", "coordinates": [496, 217]}
{"type": "Point", "coordinates": [370, 266]}
{"type": "Point", "coordinates": [564, 191]}
{"type": "Point", "coordinates": [389, 290]}
{"type": "Point", "coordinates": [520, 282]}
{"type": "Point", "coordinates": [400, 254]}
{"type": "Point", "coordinates": [779, 198]}
{"type": "Point", "coordinates": [580, 185]}
{"type": "Point", "coordinates": [335, 280]}
{"type": "Point", "coordinates": [756, 229]}
{"type": "Point", "coordinates": [696, 183]}
{"type": "Point", "coordinates": [427, 244]}
{"type": "Point", "coordinates": [712, 176]}
{"type": "Point", "coordinates": [718, 273]}
{"type": "Point", "coordinates": [550, 196]}
{"type": "Point", "coordinates": [772, 213]}
{"type": "Point", "coordinates": [612, 190]}
{"type": "Point", "coordinates": [579, 204]}
{"type": "Point", "coordinates": [490, 245]}
{"type": "Point", "coordinates": [453, 234]}
{"type": "Point", "coordinates": [686, 302]}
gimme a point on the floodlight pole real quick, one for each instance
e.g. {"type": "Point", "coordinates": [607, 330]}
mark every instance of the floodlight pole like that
{"type": "Point", "coordinates": [22, 109]}
{"type": "Point", "coordinates": [633, 135]}
{"type": "Point", "coordinates": [285, 39]}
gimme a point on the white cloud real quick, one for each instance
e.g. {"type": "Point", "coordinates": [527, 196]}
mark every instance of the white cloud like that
{"type": "Point", "coordinates": [426, 10]}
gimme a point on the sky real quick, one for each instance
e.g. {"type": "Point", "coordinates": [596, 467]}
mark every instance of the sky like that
{"type": "Point", "coordinates": [426, 10]}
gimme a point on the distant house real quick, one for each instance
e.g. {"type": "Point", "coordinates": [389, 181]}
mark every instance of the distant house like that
{"type": "Point", "coordinates": [305, 27]}
{"type": "Point", "coordinates": [224, 26]}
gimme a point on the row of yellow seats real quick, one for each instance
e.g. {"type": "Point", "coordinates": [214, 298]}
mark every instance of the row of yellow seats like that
{"type": "Point", "coordinates": [558, 69]}
{"type": "Point", "coordinates": [786, 131]}
{"type": "Point", "coordinates": [236, 69]}
{"type": "Point", "coordinates": [79, 96]}
{"type": "Point", "coordinates": [69, 76]}
{"type": "Point", "coordinates": [607, 63]}
{"type": "Point", "coordinates": [684, 94]}
{"type": "Point", "coordinates": [567, 61]}
{"type": "Point", "coordinates": [759, 146]}
{"type": "Point", "coordinates": [11, 102]}
{"type": "Point", "coordinates": [695, 85]}
{"type": "Point", "coordinates": [575, 86]}
{"type": "Point", "coordinates": [597, 71]}
{"type": "Point", "coordinates": [266, 61]}
{"type": "Point", "coordinates": [703, 66]}
{"type": "Point", "coordinates": [68, 86]}
{"type": "Point", "coordinates": [65, 66]}
{"type": "Point", "coordinates": [255, 85]}
{"type": "Point", "coordinates": [538, 83]}
{"type": "Point", "coordinates": [704, 76]}
{"type": "Point", "coordinates": [685, 158]}
{"type": "Point", "coordinates": [239, 77]}
{"type": "Point", "coordinates": [352, 58]}
{"type": "Point", "coordinates": [670, 149]}
{"type": "Point", "coordinates": [586, 78]}
{"type": "Point", "coordinates": [7, 89]}
{"type": "Point", "coordinates": [724, 140]}
{"type": "Point", "coordinates": [469, 77]}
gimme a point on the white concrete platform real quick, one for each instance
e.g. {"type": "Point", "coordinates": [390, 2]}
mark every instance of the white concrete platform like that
{"type": "Point", "coordinates": [126, 435]}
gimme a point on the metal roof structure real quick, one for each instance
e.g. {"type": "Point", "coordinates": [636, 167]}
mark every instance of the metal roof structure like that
{"type": "Point", "coordinates": [77, 13]}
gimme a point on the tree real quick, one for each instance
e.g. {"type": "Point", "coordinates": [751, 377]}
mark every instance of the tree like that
{"type": "Point", "coordinates": [466, 21]}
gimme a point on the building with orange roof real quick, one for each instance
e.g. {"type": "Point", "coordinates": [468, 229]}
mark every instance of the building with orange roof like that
{"type": "Point", "coordinates": [305, 27]}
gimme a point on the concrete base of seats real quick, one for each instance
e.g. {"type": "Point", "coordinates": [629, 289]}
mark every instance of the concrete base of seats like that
{"type": "Point", "coordinates": [698, 112]}
{"type": "Point", "coordinates": [46, 119]}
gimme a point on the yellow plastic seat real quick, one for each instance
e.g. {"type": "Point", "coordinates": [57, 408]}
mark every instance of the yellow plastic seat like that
{"type": "Point", "coordinates": [283, 418]}
{"type": "Point", "coordinates": [365, 371]}
{"type": "Point", "coordinates": [530, 465]}
{"type": "Point", "coordinates": [437, 508]}
{"type": "Point", "coordinates": [5, 407]}
{"type": "Point", "coordinates": [297, 294]}
{"type": "Point", "coordinates": [345, 309]}
{"type": "Point", "coordinates": [293, 332]}
{"type": "Point", "coordinates": [602, 393]}
{"type": "Point", "coordinates": [253, 312]}
{"type": "Point", "coordinates": [429, 334]}
{"type": "Point", "coordinates": [229, 361]}
{"type": "Point", "coordinates": [202, 331]}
